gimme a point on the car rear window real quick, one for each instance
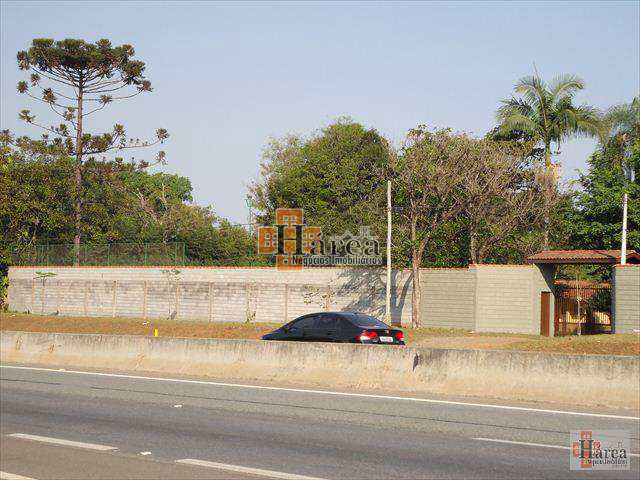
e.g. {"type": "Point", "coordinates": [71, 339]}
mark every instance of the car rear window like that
{"type": "Point", "coordinates": [366, 321]}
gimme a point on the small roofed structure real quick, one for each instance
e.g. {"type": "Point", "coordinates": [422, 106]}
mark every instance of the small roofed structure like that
{"type": "Point", "coordinates": [579, 257]}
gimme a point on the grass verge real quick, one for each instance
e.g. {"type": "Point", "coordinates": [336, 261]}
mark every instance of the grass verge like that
{"type": "Point", "coordinates": [623, 344]}
{"type": "Point", "coordinates": [132, 326]}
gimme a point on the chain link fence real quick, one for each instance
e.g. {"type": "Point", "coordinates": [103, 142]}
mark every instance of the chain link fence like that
{"type": "Point", "coordinates": [108, 254]}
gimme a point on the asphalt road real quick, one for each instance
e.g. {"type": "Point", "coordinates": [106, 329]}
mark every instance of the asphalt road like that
{"type": "Point", "coordinates": [129, 426]}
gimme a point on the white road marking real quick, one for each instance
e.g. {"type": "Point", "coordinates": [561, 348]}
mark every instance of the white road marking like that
{"type": "Point", "coordinates": [13, 476]}
{"type": "Point", "coordinates": [326, 392]}
{"type": "Point", "coordinates": [529, 444]}
{"type": "Point", "coordinates": [61, 441]}
{"type": "Point", "coordinates": [240, 469]}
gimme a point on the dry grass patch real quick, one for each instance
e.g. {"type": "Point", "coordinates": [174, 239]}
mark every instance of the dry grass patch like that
{"type": "Point", "coordinates": [132, 326]}
{"type": "Point", "coordinates": [620, 344]}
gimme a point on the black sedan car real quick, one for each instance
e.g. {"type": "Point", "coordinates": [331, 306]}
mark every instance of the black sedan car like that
{"type": "Point", "coordinates": [344, 327]}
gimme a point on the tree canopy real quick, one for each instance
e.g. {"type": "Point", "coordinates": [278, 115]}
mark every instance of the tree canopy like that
{"type": "Point", "coordinates": [76, 79]}
{"type": "Point", "coordinates": [596, 220]}
{"type": "Point", "coordinates": [547, 112]}
{"type": "Point", "coordinates": [124, 204]}
{"type": "Point", "coordinates": [336, 175]}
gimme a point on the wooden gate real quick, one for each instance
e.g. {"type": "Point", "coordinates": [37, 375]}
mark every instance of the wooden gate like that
{"type": "Point", "coordinates": [584, 309]}
{"type": "Point", "coordinates": [545, 314]}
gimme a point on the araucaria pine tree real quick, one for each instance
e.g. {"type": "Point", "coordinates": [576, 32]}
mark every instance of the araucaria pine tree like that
{"type": "Point", "coordinates": [76, 79]}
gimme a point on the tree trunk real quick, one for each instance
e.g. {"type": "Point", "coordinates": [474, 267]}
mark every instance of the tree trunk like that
{"type": "Point", "coordinates": [78, 181]}
{"type": "Point", "coordinates": [545, 233]}
{"type": "Point", "coordinates": [415, 267]}
{"type": "Point", "coordinates": [473, 249]}
{"type": "Point", "coordinates": [415, 294]}
{"type": "Point", "coordinates": [547, 156]}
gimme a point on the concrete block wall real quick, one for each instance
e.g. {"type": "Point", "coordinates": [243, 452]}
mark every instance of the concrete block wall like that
{"type": "Point", "coordinates": [626, 298]}
{"type": "Point", "coordinates": [484, 298]}
{"type": "Point", "coordinates": [208, 294]}
{"type": "Point", "coordinates": [508, 298]}
{"type": "Point", "coordinates": [448, 298]}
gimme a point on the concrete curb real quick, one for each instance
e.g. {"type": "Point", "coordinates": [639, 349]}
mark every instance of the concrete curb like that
{"type": "Point", "coordinates": [589, 380]}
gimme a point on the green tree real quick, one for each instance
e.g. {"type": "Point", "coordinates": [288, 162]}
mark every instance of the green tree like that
{"type": "Point", "coordinates": [613, 170]}
{"type": "Point", "coordinates": [234, 245]}
{"type": "Point", "coordinates": [623, 121]}
{"type": "Point", "coordinates": [123, 203]}
{"type": "Point", "coordinates": [597, 221]}
{"type": "Point", "coordinates": [547, 114]}
{"type": "Point", "coordinates": [33, 199]}
{"type": "Point", "coordinates": [34, 194]}
{"type": "Point", "coordinates": [428, 178]}
{"type": "Point", "coordinates": [160, 201]}
{"type": "Point", "coordinates": [335, 175]}
{"type": "Point", "coordinates": [504, 202]}
{"type": "Point", "coordinates": [77, 79]}
{"type": "Point", "coordinates": [623, 125]}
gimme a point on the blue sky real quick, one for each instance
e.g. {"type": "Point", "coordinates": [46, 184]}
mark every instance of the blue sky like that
{"type": "Point", "coordinates": [228, 76]}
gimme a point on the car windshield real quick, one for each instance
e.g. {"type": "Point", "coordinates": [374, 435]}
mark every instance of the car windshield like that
{"type": "Point", "coordinates": [366, 321]}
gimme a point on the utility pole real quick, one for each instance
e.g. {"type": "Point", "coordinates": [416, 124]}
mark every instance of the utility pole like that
{"type": "Point", "coordinates": [388, 302]}
{"type": "Point", "coordinates": [623, 253]}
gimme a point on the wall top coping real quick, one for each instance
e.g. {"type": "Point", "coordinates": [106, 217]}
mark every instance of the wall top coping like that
{"type": "Point", "coordinates": [225, 267]}
{"type": "Point", "coordinates": [497, 265]}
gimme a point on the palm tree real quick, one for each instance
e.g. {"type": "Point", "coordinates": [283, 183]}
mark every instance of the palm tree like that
{"type": "Point", "coordinates": [623, 124]}
{"type": "Point", "coordinates": [547, 113]}
{"type": "Point", "coordinates": [624, 118]}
